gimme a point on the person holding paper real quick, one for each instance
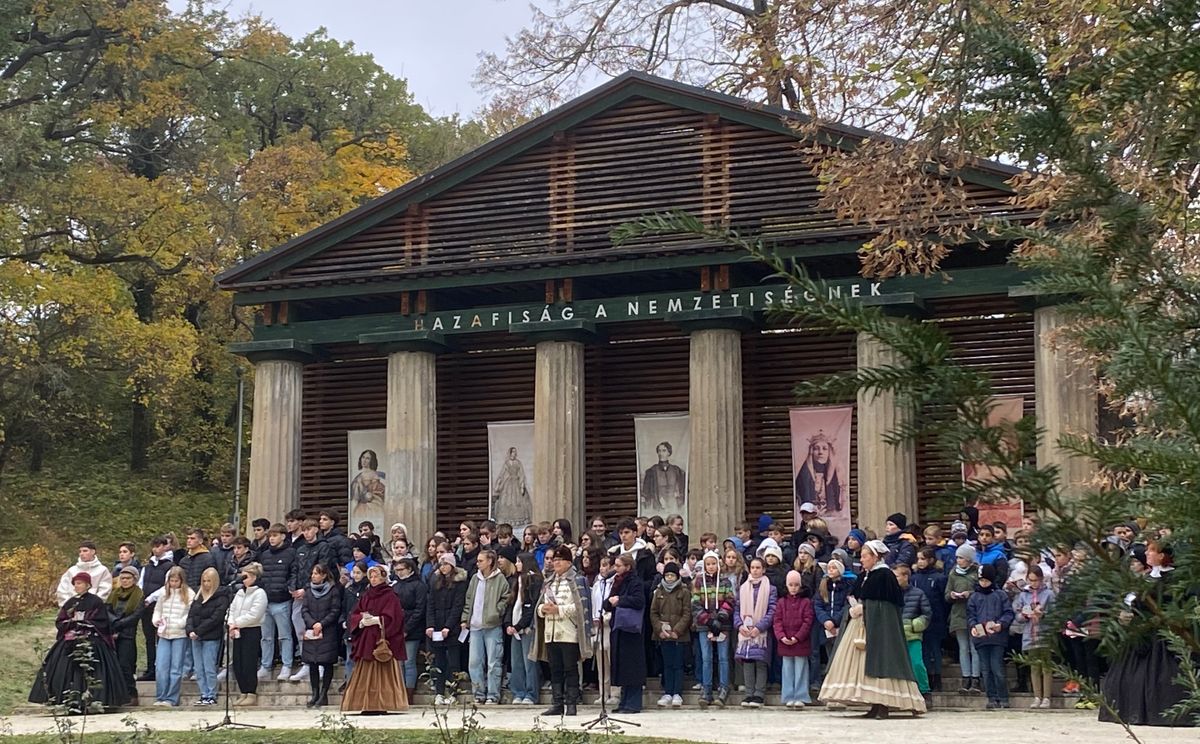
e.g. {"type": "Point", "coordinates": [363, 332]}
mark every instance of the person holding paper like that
{"type": "Point", "coordinates": [376, 686]}
{"type": "Point", "coordinates": [562, 637]}
{"type": "Point", "coordinates": [443, 620]}
{"type": "Point", "coordinates": [989, 613]}
{"type": "Point", "coordinates": [482, 614]}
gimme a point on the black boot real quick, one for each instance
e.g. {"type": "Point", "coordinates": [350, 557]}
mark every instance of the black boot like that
{"type": "Point", "coordinates": [935, 684]}
{"type": "Point", "coordinates": [326, 674]}
{"type": "Point", "coordinates": [314, 686]}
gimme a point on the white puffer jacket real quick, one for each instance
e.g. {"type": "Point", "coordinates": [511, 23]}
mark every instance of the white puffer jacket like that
{"type": "Point", "coordinates": [248, 608]}
{"type": "Point", "coordinates": [170, 616]}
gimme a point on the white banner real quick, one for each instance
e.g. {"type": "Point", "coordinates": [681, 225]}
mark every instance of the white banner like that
{"type": "Point", "coordinates": [367, 483]}
{"type": "Point", "coordinates": [664, 442]}
{"type": "Point", "coordinates": [510, 473]}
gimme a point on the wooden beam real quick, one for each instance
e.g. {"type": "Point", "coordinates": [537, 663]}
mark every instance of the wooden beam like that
{"type": "Point", "coordinates": [705, 279]}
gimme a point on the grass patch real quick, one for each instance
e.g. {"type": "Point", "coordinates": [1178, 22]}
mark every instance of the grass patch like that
{"type": "Point", "coordinates": [336, 734]}
{"type": "Point", "coordinates": [22, 645]}
{"type": "Point", "coordinates": [102, 502]}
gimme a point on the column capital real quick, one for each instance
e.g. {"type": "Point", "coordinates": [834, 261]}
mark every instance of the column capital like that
{"type": "Point", "coordinates": [1032, 298]}
{"type": "Point", "coordinates": [275, 350]}
{"type": "Point", "coordinates": [727, 318]}
{"type": "Point", "coordinates": [394, 341]}
{"type": "Point", "coordinates": [898, 305]}
{"type": "Point", "coordinates": [579, 331]}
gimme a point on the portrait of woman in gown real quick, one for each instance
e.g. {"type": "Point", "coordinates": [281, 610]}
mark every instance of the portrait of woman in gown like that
{"type": "Point", "coordinates": [511, 501]}
{"type": "Point", "coordinates": [368, 487]}
{"type": "Point", "coordinates": [819, 480]}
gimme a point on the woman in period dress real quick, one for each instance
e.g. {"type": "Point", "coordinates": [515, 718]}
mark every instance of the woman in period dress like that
{"type": "Point", "coordinates": [819, 481]}
{"type": "Point", "coordinates": [511, 493]}
{"type": "Point", "coordinates": [1141, 685]}
{"type": "Point", "coordinates": [870, 665]}
{"type": "Point", "coordinates": [376, 686]}
{"type": "Point", "coordinates": [83, 635]}
{"type": "Point", "coordinates": [368, 486]}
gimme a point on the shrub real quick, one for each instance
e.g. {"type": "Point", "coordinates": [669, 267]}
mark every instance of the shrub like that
{"type": "Point", "coordinates": [31, 577]}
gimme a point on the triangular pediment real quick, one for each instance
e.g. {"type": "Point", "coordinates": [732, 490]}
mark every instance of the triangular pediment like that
{"type": "Point", "coordinates": [550, 192]}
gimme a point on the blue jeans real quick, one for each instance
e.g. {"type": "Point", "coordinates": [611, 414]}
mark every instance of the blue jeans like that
{"type": "Point", "coordinates": [410, 664]}
{"type": "Point", "coordinates": [968, 654]}
{"type": "Point", "coordinates": [631, 698]}
{"type": "Point", "coordinates": [795, 679]}
{"type": "Point", "coordinates": [991, 659]}
{"type": "Point", "coordinates": [672, 675]}
{"type": "Point", "coordinates": [706, 660]}
{"type": "Point", "coordinates": [349, 658]}
{"type": "Point", "coordinates": [278, 620]}
{"type": "Point", "coordinates": [523, 680]}
{"type": "Point", "coordinates": [487, 647]}
{"type": "Point", "coordinates": [205, 654]}
{"type": "Point", "coordinates": [168, 668]}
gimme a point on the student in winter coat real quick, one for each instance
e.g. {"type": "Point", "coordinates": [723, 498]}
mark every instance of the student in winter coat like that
{"type": "Point", "coordinates": [343, 550]}
{"type": "Point", "coordinates": [90, 564]}
{"type": "Point", "coordinates": [205, 628]}
{"type": "Point", "coordinates": [960, 585]}
{"type": "Point", "coordinates": [792, 625]}
{"type": "Point", "coordinates": [671, 623]}
{"type": "Point", "coordinates": [1030, 606]}
{"type": "Point", "coordinates": [125, 607]}
{"type": "Point", "coordinates": [322, 612]}
{"type": "Point", "coordinates": [989, 614]}
{"type": "Point", "coordinates": [313, 549]}
{"type": "Point", "coordinates": [829, 606]}
{"type": "Point", "coordinates": [525, 590]}
{"type": "Point", "coordinates": [483, 617]}
{"type": "Point", "coordinates": [246, 613]}
{"type": "Point", "coordinates": [628, 647]}
{"type": "Point", "coordinates": [279, 580]}
{"type": "Point", "coordinates": [413, 593]}
{"type": "Point", "coordinates": [197, 559]}
{"type": "Point", "coordinates": [931, 579]}
{"type": "Point", "coordinates": [443, 620]}
{"type": "Point", "coordinates": [752, 618]}
{"type": "Point", "coordinates": [712, 617]}
{"type": "Point", "coordinates": [916, 616]}
{"type": "Point", "coordinates": [170, 617]}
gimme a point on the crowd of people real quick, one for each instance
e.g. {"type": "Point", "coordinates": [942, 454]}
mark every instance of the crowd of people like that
{"type": "Point", "coordinates": [862, 621]}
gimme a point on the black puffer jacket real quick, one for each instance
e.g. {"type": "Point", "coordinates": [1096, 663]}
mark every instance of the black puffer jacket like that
{"type": "Point", "coordinates": [445, 606]}
{"type": "Point", "coordinates": [413, 595]}
{"type": "Point", "coordinates": [310, 554]}
{"type": "Point", "coordinates": [279, 573]}
{"type": "Point", "coordinates": [340, 544]}
{"type": "Point", "coordinates": [207, 619]}
{"type": "Point", "coordinates": [327, 611]}
{"type": "Point", "coordinates": [234, 569]}
{"type": "Point", "coordinates": [350, 594]}
{"type": "Point", "coordinates": [194, 565]}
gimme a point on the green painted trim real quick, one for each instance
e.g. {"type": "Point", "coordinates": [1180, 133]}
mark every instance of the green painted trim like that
{"type": "Point", "coordinates": [277, 349]}
{"type": "Point", "coordinates": [729, 318]}
{"type": "Point", "coordinates": [1032, 298]}
{"type": "Point", "coordinates": [390, 342]}
{"type": "Point", "coordinates": [578, 331]}
{"type": "Point", "coordinates": [898, 305]}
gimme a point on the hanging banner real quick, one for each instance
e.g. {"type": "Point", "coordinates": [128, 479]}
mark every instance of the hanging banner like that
{"type": "Point", "coordinates": [367, 483]}
{"type": "Point", "coordinates": [821, 463]}
{"type": "Point", "coordinates": [663, 442]}
{"type": "Point", "coordinates": [510, 473]}
{"type": "Point", "coordinates": [1006, 411]}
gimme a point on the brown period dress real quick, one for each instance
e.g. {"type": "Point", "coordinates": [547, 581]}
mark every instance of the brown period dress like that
{"type": "Point", "coordinates": [376, 686]}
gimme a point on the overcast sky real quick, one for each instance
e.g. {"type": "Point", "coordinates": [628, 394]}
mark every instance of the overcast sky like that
{"type": "Point", "coordinates": [431, 43]}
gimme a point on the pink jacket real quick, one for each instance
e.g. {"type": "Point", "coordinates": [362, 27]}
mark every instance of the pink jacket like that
{"type": "Point", "coordinates": [794, 618]}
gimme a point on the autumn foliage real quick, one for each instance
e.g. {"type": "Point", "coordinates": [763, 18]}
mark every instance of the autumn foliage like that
{"type": "Point", "coordinates": [31, 578]}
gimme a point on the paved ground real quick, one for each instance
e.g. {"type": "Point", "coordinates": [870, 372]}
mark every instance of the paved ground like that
{"type": "Point", "coordinates": [770, 726]}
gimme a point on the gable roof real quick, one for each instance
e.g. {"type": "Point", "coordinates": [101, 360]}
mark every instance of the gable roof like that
{"type": "Point", "coordinates": [629, 85]}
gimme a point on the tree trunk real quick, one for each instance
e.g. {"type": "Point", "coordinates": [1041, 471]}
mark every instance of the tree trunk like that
{"type": "Point", "coordinates": [141, 425]}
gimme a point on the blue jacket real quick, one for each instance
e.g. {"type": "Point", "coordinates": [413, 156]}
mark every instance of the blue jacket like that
{"type": "Point", "coordinates": [993, 606]}
{"type": "Point", "coordinates": [540, 550]}
{"type": "Point", "coordinates": [994, 555]}
{"type": "Point", "coordinates": [832, 608]}
{"type": "Point", "coordinates": [933, 583]}
{"type": "Point", "coordinates": [947, 555]}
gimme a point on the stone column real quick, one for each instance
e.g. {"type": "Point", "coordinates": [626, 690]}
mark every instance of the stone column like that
{"type": "Point", "coordinates": [275, 438]}
{"type": "Point", "coordinates": [887, 473]}
{"type": "Point", "coordinates": [558, 457]}
{"type": "Point", "coordinates": [411, 443]}
{"type": "Point", "coordinates": [717, 474]}
{"type": "Point", "coordinates": [1066, 401]}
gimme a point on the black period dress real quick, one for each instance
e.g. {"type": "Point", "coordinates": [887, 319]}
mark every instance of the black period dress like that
{"type": "Point", "coordinates": [84, 637]}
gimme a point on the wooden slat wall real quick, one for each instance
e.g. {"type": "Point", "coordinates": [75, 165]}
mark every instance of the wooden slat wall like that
{"type": "Point", "coordinates": [644, 369]}
{"type": "Point", "coordinates": [558, 202]}
{"type": "Point", "coordinates": [989, 333]}
{"type": "Point", "coordinates": [350, 393]}
{"type": "Point", "coordinates": [772, 363]}
{"type": "Point", "coordinates": [492, 383]}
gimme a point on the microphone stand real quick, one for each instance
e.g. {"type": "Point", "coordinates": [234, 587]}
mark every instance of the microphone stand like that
{"type": "Point", "coordinates": [227, 721]}
{"type": "Point", "coordinates": [604, 719]}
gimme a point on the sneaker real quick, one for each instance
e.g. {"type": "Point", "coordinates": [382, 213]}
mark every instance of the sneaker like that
{"type": "Point", "coordinates": [147, 676]}
{"type": "Point", "coordinates": [263, 674]}
{"type": "Point", "coordinates": [163, 704]}
{"type": "Point", "coordinates": [797, 704]}
{"type": "Point", "coordinates": [664, 701]}
{"type": "Point", "coordinates": [200, 702]}
{"type": "Point", "coordinates": [676, 701]}
{"type": "Point", "coordinates": [992, 705]}
{"type": "Point", "coordinates": [299, 676]}
{"type": "Point", "coordinates": [697, 686]}
{"type": "Point", "coordinates": [756, 702]}
{"type": "Point", "coordinates": [1037, 703]}
{"type": "Point", "coordinates": [1045, 703]}
{"type": "Point", "coordinates": [491, 701]}
{"type": "Point", "coordinates": [705, 700]}
{"type": "Point", "coordinates": [746, 703]}
{"type": "Point", "coordinates": [614, 700]}
{"type": "Point", "coordinates": [441, 700]}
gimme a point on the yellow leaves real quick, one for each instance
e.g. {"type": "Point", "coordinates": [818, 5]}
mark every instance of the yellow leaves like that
{"type": "Point", "coordinates": [32, 576]}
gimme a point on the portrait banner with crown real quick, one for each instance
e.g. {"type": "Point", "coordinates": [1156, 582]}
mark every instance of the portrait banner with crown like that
{"type": "Point", "coordinates": [821, 463]}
